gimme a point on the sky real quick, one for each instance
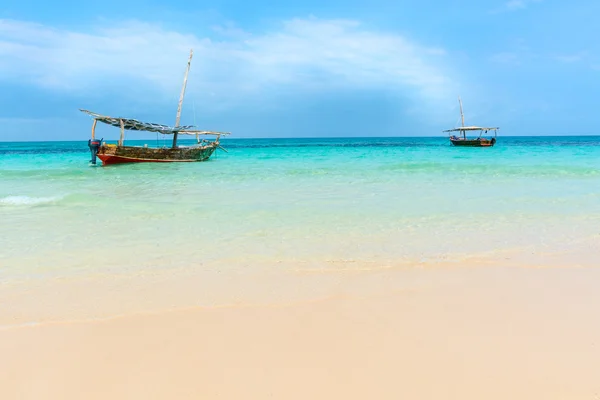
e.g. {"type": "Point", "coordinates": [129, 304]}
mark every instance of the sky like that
{"type": "Point", "coordinates": [300, 68]}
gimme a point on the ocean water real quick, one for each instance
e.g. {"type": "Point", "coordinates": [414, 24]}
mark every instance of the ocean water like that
{"type": "Point", "coordinates": [300, 205]}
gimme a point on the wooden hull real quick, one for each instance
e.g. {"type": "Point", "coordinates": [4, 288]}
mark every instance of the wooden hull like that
{"type": "Point", "coordinates": [473, 142]}
{"type": "Point", "coordinates": [111, 154]}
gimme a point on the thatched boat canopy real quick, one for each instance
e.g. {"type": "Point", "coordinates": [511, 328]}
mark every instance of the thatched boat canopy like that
{"type": "Point", "coordinates": [135, 125]}
{"type": "Point", "coordinates": [471, 128]}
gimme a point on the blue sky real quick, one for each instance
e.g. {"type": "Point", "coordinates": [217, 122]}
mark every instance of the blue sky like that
{"type": "Point", "coordinates": [301, 68]}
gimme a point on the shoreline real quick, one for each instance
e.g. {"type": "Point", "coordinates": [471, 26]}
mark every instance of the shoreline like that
{"type": "Point", "coordinates": [99, 296]}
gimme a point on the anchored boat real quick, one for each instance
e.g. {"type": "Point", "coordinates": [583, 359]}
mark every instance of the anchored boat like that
{"type": "Point", "coordinates": [463, 140]}
{"type": "Point", "coordinates": [119, 153]}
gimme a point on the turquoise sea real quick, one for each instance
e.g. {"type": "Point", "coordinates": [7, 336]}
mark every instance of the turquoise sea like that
{"type": "Point", "coordinates": [299, 205]}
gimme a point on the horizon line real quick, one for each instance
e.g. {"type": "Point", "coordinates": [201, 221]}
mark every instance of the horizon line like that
{"type": "Point", "coordinates": [312, 138]}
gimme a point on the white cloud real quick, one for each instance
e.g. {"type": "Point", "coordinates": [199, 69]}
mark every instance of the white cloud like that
{"type": "Point", "coordinates": [514, 5]}
{"type": "Point", "coordinates": [505, 58]}
{"type": "Point", "coordinates": [518, 4]}
{"type": "Point", "coordinates": [308, 53]}
{"type": "Point", "coordinates": [572, 58]}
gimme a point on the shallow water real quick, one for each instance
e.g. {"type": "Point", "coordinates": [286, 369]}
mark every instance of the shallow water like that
{"type": "Point", "coordinates": [299, 204]}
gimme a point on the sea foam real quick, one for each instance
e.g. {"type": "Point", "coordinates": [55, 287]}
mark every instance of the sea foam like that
{"type": "Point", "coordinates": [26, 200]}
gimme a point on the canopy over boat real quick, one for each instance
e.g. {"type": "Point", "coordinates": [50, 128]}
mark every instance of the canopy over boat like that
{"type": "Point", "coordinates": [471, 128]}
{"type": "Point", "coordinates": [135, 125]}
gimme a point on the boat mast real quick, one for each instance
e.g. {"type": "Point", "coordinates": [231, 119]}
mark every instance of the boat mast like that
{"type": "Point", "coordinates": [181, 97]}
{"type": "Point", "coordinates": [462, 117]}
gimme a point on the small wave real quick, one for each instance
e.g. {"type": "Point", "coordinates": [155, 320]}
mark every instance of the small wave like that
{"type": "Point", "coordinates": [26, 200]}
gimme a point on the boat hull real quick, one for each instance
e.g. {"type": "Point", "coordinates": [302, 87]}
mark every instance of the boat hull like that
{"type": "Point", "coordinates": [473, 142]}
{"type": "Point", "coordinates": [111, 154]}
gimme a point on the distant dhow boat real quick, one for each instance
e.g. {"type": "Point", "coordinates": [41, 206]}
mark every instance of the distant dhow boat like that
{"type": "Point", "coordinates": [119, 153]}
{"type": "Point", "coordinates": [462, 140]}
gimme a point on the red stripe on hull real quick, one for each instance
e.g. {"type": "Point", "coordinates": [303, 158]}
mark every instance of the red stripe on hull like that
{"type": "Point", "coordinates": [108, 159]}
{"type": "Point", "coordinates": [472, 143]}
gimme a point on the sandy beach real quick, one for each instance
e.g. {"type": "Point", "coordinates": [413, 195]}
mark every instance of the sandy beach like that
{"type": "Point", "coordinates": [492, 333]}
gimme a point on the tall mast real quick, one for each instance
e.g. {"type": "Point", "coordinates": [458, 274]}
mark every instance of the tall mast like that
{"type": "Point", "coordinates": [462, 117]}
{"type": "Point", "coordinates": [181, 97]}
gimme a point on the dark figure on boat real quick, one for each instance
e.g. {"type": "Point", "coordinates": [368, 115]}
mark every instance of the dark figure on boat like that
{"type": "Point", "coordinates": [94, 146]}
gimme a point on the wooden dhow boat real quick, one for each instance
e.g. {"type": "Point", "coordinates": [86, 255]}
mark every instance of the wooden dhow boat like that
{"type": "Point", "coordinates": [463, 140]}
{"type": "Point", "coordinates": [119, 153]}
